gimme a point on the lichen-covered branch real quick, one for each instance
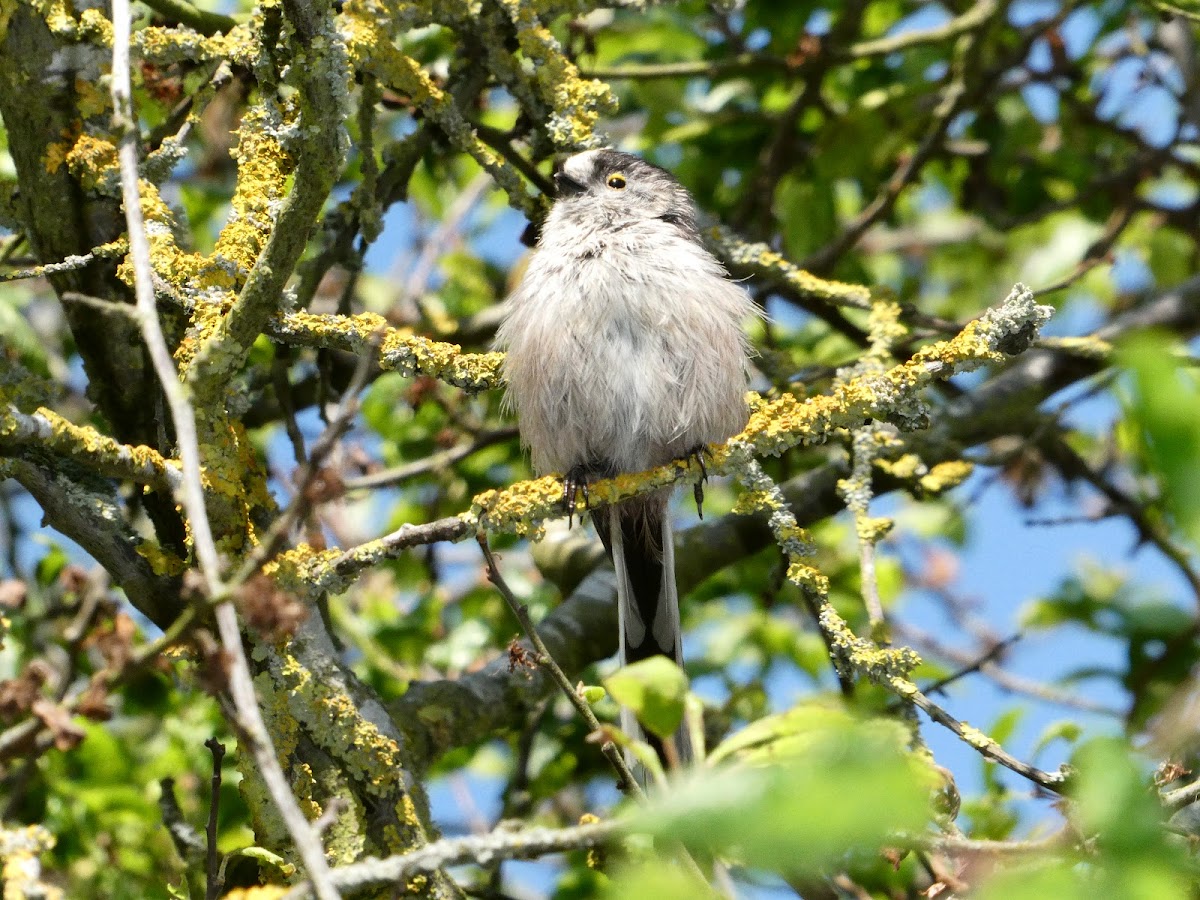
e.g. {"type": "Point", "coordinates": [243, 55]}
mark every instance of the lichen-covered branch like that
{"type": "Point", "coordinates": [398, 350]}
{"type": "Point", "coordinates": [788, 421]}
{"type": "Point", "coordinates": [773, 428]}
{"type": "Point", "coordinates": [752, 258]}
{"type": "Point", "coordinates": [582, 629]}
{"type": "Point", "coordinates": [319, 54]}
{"type": "Point", "coordinates": [46, 431]}
{"type": "Point", "coordinates": [90, 515]}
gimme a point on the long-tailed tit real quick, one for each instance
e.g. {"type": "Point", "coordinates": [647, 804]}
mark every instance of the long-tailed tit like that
{"type": "Point", "coordinates": [624, 352]}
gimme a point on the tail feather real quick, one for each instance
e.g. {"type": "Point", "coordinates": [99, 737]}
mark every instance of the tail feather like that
{"type": "Point", "coordinates": [637, 536]}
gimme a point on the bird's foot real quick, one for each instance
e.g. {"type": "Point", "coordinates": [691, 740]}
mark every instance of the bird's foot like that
{"type": "Point", "coordinates": [575, 482]}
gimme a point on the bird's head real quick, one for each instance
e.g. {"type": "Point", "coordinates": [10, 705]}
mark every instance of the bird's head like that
{"type": "Point", "coordinates": [620, 188]}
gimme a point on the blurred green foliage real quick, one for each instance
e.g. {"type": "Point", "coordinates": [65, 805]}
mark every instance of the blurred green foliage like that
{"type": "Point", "coordinates": [938, 171]}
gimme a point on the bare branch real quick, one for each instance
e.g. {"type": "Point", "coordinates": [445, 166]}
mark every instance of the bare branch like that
{"type": "Point", "coordinates": [249, 718]}
{"type": "Point", "coordinates": [435, 462]}
{"type": "Point", "coordinates": [527, 843]}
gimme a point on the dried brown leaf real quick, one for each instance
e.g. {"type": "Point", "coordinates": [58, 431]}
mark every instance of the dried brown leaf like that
{"type": "Point", "coordinates": [272, 612]}
{"type": "Point", "coordinates": [65, 732]}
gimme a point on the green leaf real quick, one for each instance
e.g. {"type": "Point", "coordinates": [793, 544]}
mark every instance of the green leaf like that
{"type": "Point", "coordinates": [793, 732]}
{"type": "Point", "coordinates": [654, 689]}
{"type": "Point", "coordinates": [1006, 725]}
{"type": "Point", "coordinates": [1027, 883]}
{"type": "Point", "coordinates": [653, 879]}
{"type": "Point", "coordinates": [1165, 403]}
{"type": "Point", "coordinates": [51, 565]}
{"type": "Point", "coordinates": [263, 855]}
{"type": "Point", "coordinates": [593, 694]}
{"type": "Point", "coordinates": [852, 786]}
{"type": "Point", "coordinates": [1064, 729]}
{"type": "Point", "coordinates": [1114, 799]}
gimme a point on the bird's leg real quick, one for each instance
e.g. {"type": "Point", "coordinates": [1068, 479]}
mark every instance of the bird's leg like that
{"type": "Point", "coordinates": [696, 455]}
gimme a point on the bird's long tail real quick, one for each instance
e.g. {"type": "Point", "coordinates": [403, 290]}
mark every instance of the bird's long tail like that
{"type": "Point", "coordinates": [637, 535]}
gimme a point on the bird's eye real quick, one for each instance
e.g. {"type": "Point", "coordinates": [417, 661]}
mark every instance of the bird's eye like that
{"type": "Point", "coordinates": [615, 181]}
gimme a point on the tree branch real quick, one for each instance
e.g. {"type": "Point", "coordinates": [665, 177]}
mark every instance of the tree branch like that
{"type": "Point", "coordinates": [248, 717]}
{"type": "Point", "coordinates": [582, 629]}
{"type": "Point", "coordinates": [526, 843]}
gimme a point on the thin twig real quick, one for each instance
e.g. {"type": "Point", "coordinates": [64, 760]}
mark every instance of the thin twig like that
{"type": "Point", "coordinates": [70, 264]}
{"type": "Point", "coordinates": [301, 502]}
{"type": "Point", "coordinates": [1099, 250]}
{"type": "Point", "coordinates": [626, 781]}
{"type": "Point", "coordinates": [191, 489]}
{"type": "Point", "coordinates": [975, 17]}
{"type": "Point", "coordinates": [870, 589]}
{"type": "Point", "coordinates": [442, 239]}
{"type": "Point", "coordinates": [986, 746]}
{"type": "Point", "coordinates": [212, 860]}
{"type": "Point", "coordinates": [241, 686]}
{"type": "Point", "coordinates": [1181, 797]}
{"type": "Point", "coordinates": [432, 463]}
{"type": "Point", "coordinates": [745, 62]}
{"type": "Point", "coordinates": [955, 844]}
{"type": "Point", "coordinates": [1068, 461]}
{"type": "Point", "coordinates": [907, 172]}
{"type": "Point", "coordinates": [1002, 678]}
{"type": "Point", "coordinates": [355, 560]}
{"type": "Point", "coordinates": [990, 655]}
{"type": "Point", "coordinates": [283, 395]}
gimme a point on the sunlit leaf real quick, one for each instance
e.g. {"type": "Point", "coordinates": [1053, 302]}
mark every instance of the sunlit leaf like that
{"type": "Point", "coordinates": [654, 689]}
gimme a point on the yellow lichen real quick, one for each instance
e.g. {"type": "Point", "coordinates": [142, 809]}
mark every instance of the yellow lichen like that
{"type": "Point", "coordinates": [94, 27]}
{"type": "Point", "coordinates": [263, 169]}
{"type": "Point", "coordinates": [905, 467]}
{"type": "Point", "coordinates": [762, 260]}
{"type": "Point", "coordinates": [296, 569]}
{"type": "Point", "coordinates": [93, 160]}
{"type": "Point", "coordinates": [872, 529]}
{"type": "Point", "coordinates": [806, 576]}
{"type": "Point", "coordinates": [56, 155]}
{"type": "Point", "coordinates": [174, 265]}
{"type": "Point", "coordinates": [751, 501]}
{"type": "Point", "coordinates": [239, 45]}
{"type": "Point", "coordinates": [161, 561]}
{"type": "Point", "coordinates": [91, 98]}
{"type": "Point", "coordinates": [577, 103]}
{"type": "Point", "coordinates": [21, 872]}
{"type": "Point", "coordinates": [57, 14]}
{"type": "Point", "coordinates": [946, 475]}
{"type": "Point", "coordinates": [976, 738]}
{"type": "Point", "coordinates": [98, 452]}
{"type": "Point", "coordinates": [333, 720]}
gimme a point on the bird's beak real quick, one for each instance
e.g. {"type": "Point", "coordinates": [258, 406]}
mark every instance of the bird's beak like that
{"type": "Point", "coordinates": [567, 186]}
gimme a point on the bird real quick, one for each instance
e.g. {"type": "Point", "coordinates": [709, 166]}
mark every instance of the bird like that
{"type": "Point", "coordinates": [625, 350]}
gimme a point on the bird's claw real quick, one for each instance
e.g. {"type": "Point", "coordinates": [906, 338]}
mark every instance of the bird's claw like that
{"type": "Point", "coordinates": [697, 454]}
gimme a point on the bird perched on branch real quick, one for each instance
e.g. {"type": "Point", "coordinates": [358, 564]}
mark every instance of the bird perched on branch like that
{"type": "Point", "coordinates": [624, 352]}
